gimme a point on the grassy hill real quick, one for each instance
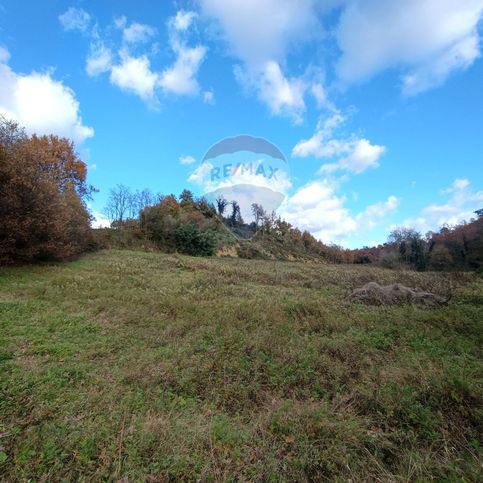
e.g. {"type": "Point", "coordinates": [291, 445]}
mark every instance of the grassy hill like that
{"type": "Point", "coordinates": [164, 367]}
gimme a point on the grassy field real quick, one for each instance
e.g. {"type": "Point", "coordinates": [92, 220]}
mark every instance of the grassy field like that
{"type": "Point", "coordinates": [144, 366]}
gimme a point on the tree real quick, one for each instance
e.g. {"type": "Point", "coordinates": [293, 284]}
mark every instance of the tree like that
{"type": "Point", "coordinates": [119, 204]}
{"type": "Point", "coordinates": [10, 133]}
{"type": "Point", "coordinates": [411, 246]}
{"type": "Point", "coordinates": [57, 158]}
{"type": "Point", "coordinates": [43, 188]}
{"type": "Point", "coordinates": [235, 216]}
{"type": "Point", "coordinates": [403, 234]}
{"type": "Point", "coordinates": [440, 258]}
{"type": "Point", "coordinates": [221, 204]}
{"type": "Point", "coordinates": [186, 197]}
{"type": "Point", "coordinates": [143, 199]}
{"type": "Point", "coordinates": [258, 213]}
{"type": "Point", "coordinates": [192, 241]}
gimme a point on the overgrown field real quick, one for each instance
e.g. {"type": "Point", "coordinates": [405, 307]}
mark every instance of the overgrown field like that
{"type": "Point", "coordinates": [144, 366]}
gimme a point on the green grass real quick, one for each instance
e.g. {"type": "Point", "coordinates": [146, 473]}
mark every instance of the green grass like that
{"type": "Point", "coordinates": [163, 368]}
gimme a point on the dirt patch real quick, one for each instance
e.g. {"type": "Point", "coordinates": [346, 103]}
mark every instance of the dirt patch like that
{"type": "Point", "coordinates": [227, 251]}
{"type": "Point", "coordinates": [396, 294]}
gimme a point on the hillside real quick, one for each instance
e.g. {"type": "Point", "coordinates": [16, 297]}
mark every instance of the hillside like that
{"type": "Point", "coordinates": [147, 366]}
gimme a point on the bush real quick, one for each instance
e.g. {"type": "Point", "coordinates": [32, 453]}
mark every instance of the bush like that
{"type": "Point", "coordinates": [192, 241]}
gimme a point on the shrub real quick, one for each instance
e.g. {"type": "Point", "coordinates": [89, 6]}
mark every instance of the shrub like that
{"type": "Point", "coordinates": [192, 241]}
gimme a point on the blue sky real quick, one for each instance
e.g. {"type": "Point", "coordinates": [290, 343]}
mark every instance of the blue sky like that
{"type": "Point", "coordinates": [378, 106]}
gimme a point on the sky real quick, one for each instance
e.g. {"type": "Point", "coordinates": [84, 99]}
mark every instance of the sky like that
{"type": "Point", "coordinates": [377, 105]}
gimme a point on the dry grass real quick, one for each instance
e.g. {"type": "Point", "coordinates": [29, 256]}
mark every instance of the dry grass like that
{"type": "Point", "coordinates": [156, 367]}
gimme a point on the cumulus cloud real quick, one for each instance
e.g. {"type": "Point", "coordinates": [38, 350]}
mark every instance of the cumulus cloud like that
{"type": "Point", "coordinates": [131, 71]}
{"type": "Point", "coordinates": [318, 208]}
{"type": "Point", "coordinates": [361, 155]}
{"type": "Point", "coordinates": [99, 60]}
{"type": "Point", "coordinates": [283, 96]}
{"type": "Point", "coordinates": [320, 95]}
{"type": "Point", "coordinates": [461, 204]}
{"type": "Point", "coordinates": [183, 19]}
{"type": "Point", "coordinates": [4, 55]}
{"type": "Point", "coordinates": [180, 77]}
{"type": "Point", "coordinates": [137, 33]}
{"type": "Point", "coordinates": [134, 75]}
{"type": "Point", "coordinates": [187, 160]}
{"type": "Point", "coordinates": [260, 34]}
{"type": "Point", "coordinates": [355, 154]}
{"type": "Point", "coordinates": [40, 103]}
{"type": "Point", "coordinates": [458, 184]}
{"type": "Point", "coordinates": [428, 38]}
{"type": "Point", "coordinates": [75, 19]}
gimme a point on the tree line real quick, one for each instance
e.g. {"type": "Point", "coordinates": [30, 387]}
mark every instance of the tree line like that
{"type": "Point", "coordinates": [451, 248]}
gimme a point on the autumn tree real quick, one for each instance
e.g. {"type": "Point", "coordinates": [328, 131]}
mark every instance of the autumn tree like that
{"type": "Point", "coordinates": [43, 189]}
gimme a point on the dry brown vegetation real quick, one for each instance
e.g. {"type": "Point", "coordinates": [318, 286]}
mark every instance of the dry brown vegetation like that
{"type": "Point", "coordinates": [42, 192]}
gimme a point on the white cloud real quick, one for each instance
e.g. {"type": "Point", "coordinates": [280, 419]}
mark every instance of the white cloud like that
{"type": "Point", "coordinates": [4, 55]}
{"type": "Point", "coordinates": [371, 216]}
{"type": "Point", "coordinates": [183, 20]}
{"type": "Point", "coordinates": [209, 97]}
{"type": "Point", "coordinates": [260, 35]}
{"type": "Point", "coordinates": [40, 103]}
{"type": "Point", "coordinates": [137, 33]}
{"type": "Point", "coordinates": [180, 78]}
{"type": "Point", "coordinates": [428, 38]}
{"type": "Point", "coordinates": [361, 155]}
{"type": "Point", "coordinates": [134, 75]}
{"type": "Point", "coordinates": [318, 208]}
{"type": "Point", "coordinates": [187, 160]}
{"type": "Point", "coordinates": [458, 184]}
{"type": "Point", "coordinates": [133, 72]}
{"type": "Point", "coordinates": [261, 31]}
{"type": "Point", "coordinates": [283, 96]}
{"type": "Point", "coordinates": [75, 19]}
{"type": "Point", "coordinates": [355, 154]}
{"type": "Point", "coordinates": [100, 220]}
{"type": "Point", "coordinates": [99, 60]}
{"type": "Point", "coordinates": [460, 56]}
{"type": "Point", "coordinates": [460, 206]}
{"type": "Point", "coordinates": [320, 95]}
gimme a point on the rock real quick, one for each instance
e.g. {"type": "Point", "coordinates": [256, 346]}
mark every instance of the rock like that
{"type": "Point", "coordinates": [396, 294]}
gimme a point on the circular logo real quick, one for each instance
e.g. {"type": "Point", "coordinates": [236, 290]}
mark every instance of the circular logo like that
{"type": "Point", "coordinates": [247, 173]}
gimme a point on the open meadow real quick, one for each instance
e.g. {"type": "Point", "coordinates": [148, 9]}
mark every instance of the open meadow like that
{"type": "Point", "coordinates": [140, 366]}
